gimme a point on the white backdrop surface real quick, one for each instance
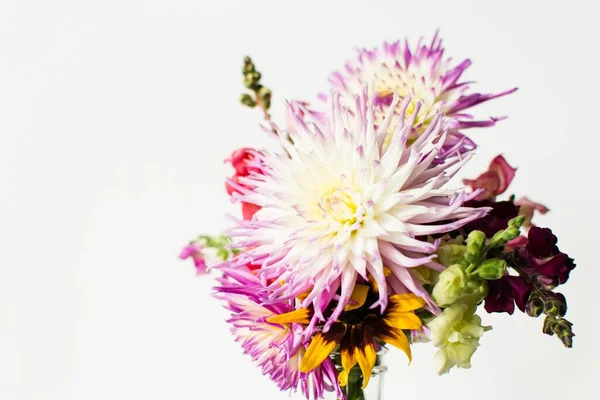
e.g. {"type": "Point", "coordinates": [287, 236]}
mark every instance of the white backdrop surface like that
{"type": "Point", "coordinates": [115, 117]}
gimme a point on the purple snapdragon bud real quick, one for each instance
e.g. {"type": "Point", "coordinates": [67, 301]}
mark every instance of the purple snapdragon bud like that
{"type": "Point", "coordinates": [555, 304]}
{"type": "Point", "coordinates": [535, 306]}
{"type": "Point", "coordinates": [560, 327]}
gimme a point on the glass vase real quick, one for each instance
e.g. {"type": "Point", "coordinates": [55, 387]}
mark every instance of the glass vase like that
{"type": "Point", "coordinates": [353, 390]}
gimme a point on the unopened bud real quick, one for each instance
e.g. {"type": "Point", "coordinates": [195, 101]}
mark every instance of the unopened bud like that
{"type": "Point", "coordinates": [534, 306]}
{"type": "Point", "coordinates": [251, 80]}
{"type": "Point", "coordinates": [491, 269]}
{"type": "Point", "coordinates": [248, 65]}
{"type": "Point", "coordinates": [475, 245]}
{"type": "Point", "coordinates": [504, 236]}
{"type": "Point", "coordinates": [549, 324]}
{"type": "Point", "coordinates": [265, 97]}
{"type": "Point", "coordinates": [517, 221]}
{"type": "Point", "coordinates": [567, 339]}
{"type": "Point", "coordinates": [563, 329]}
{"type": "Point", "coordinates": [556, 305]}
{"type": "Point", "coordinates": [247, 100]}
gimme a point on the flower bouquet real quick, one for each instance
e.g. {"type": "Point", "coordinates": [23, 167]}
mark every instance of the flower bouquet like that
{"type": "Point", "coordinates": [351, 237]}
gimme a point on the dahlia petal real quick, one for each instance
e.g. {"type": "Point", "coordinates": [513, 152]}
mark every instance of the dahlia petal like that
{"type": "Point", "coordinates": [393, 255]}
{"type": "Point", "coordinates": [415, 287]}
{"type": "Point", "coordinates": [340, 191]}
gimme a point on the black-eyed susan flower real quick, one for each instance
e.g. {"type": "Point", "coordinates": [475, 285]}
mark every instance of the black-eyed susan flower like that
{"type": "Point", "coordinates": [360, 331]}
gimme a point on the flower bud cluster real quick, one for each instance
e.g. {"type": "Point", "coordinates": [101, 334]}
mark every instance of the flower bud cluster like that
{"type": "Point", "coordinates": [261, 95]}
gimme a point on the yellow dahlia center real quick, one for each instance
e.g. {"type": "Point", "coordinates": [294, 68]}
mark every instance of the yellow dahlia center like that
{"type": "Point", "coordinates": [338, 205]}
{"type": "Point", "coordinates": [411, 108]}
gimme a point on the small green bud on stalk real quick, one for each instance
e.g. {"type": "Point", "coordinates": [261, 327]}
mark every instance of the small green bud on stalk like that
{"type": "Point", "coordinates": [475, 245]}
{"type": "Point", "coordinates": [251, 80]}
{"type": "Point", "coordinates": [505, 236]}
{"type": "Point", "coordinates": [517, 221]}
{"type": "Point", "coordinates": [248, 65]}
{"type": "Point", "coordinates": [491, 269]}
{"type": "Point", "coordinates": [264, 95]}
{"type": "Point", "coordinates": [508, 234]}
{"type": "Point", "coordinates": [247, 100]}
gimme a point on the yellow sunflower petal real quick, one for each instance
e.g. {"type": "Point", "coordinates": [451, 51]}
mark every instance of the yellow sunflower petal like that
{"type": "Point", "coordinates": [406, 302]}
{"type": "Point", "coordinates": [366, 360]}
{"type": "Point", "coordinates": [348, 361]}
{"type": "Point", "coordinates": [301, 316]}
{"type": "Point", "coordinates": [358, 297]}
{"type": "Point", "coordinates": [317, 351]}
{"type": "Point", "coordinates": [400, 341]}
{"type": "Point", "coordinates": [403, 320]}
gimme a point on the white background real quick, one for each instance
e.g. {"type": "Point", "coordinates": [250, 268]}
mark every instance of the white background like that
{"type": "Point", "coordinates": [115, 117]}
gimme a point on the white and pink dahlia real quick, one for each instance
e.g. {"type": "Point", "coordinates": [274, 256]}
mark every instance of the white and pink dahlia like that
{"type": "Point", "coordinates": [275, 347]}
{"type": "Point", "coordinates": [423, 73]}
{"type": "Point", "coordinates": [339, 205]}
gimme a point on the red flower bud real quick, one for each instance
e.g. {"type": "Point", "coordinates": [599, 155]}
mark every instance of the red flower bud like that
{"type": "Point", "coordinates": [244, 161]}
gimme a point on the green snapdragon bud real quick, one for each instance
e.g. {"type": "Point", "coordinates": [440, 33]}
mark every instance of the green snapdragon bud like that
{"type": "Point", "coordinates": [508, 234]}
{"type": "Point", "coordinates": [265, 97]}
{"type": "Point", "coordinates": [261, 96]}
{"type": "Point", "coordinates": [247, 100]}
{"type": "Point", "coordinates": [475, 245]}
{"type": "Point", "coordinates": [504, 236]}
{"type": "Point", "coordinates": [517, 221]}
{"type": "Point", "coordinates": [251, 80]}
{"type": "Point", "coordinates": [248, 65]}
{"type": "Point", "coordinates": [491, 269]}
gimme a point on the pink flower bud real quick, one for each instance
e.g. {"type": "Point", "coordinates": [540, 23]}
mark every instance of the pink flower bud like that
{"type": "Point", "coordinates": [194, 250]}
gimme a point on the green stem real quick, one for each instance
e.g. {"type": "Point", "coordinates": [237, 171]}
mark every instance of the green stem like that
{"type": "Point", "coordinates": [353, 390]}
